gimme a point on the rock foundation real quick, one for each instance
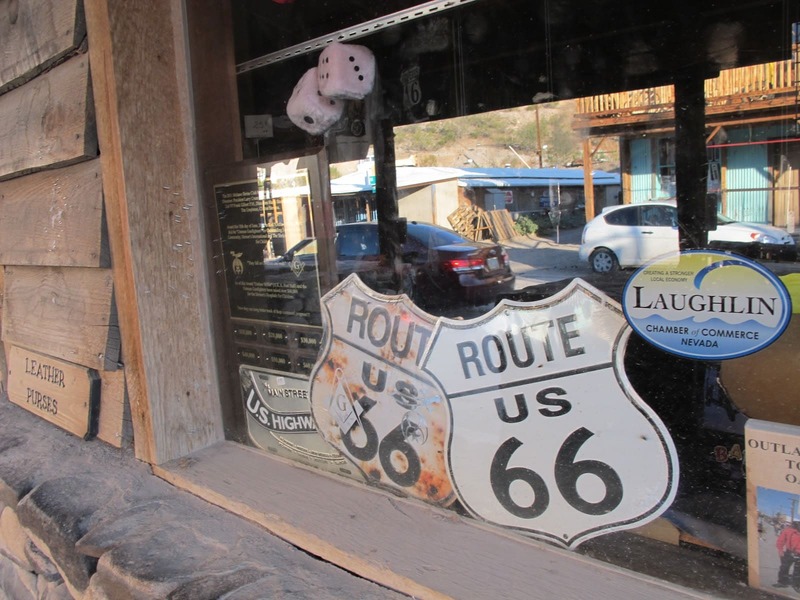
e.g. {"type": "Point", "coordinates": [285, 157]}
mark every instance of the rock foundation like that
{"type": "Point", "coordinates": [85, 520]}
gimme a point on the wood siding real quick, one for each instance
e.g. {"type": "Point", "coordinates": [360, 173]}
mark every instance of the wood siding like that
{"type": "Point", "coordinates": [48, 121]}
{"type": "Point", "coordinates": [63, 312]}
{"type": "Point", "coordinates": [56, 283]}
{"type": "Point", "coordinates": [49, 227]}
{"type": "Point", "coordinates": [35, 34]}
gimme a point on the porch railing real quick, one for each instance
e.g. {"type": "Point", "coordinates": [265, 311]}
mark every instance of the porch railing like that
{"type": "Point", "coordinates": [751, 82]}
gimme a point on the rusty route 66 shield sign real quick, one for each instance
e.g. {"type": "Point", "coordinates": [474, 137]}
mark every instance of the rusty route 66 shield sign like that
{"type": "Point", "coordinates": [547, 434]}
{"type": "Point", "coordinates": [369, 397]}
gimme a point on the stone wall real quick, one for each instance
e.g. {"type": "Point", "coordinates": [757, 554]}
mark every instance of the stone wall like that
{"type": "Point", "coordinates": [84, 520]}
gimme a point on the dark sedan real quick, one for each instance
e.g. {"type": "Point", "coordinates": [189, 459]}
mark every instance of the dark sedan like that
{"type": "Point", "coordinates": [439, 266]}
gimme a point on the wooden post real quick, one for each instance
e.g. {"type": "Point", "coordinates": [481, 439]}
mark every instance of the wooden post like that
{"type": "Point", "coordinates": [588, 181]}
{"type": "Point", "coordinates": [149, 178]}
{"type": "Point", "coordinates": [691, 162]}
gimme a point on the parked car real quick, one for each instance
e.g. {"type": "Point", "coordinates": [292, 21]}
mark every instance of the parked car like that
{"type": "Point", "coordinates": [439, 266]}
{"type": "Point", "coordinates": [632, 234]}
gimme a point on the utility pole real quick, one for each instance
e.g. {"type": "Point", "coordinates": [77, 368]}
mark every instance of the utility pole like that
{"type": "Point", "coordinates": [538, 136]}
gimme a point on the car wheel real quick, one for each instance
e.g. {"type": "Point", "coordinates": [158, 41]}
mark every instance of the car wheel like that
{"type": "Point", "coordinates": [603, 260]}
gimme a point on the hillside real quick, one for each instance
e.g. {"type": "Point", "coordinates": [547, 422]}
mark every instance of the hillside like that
{"type": "Point", "coordinates": [502, 138]}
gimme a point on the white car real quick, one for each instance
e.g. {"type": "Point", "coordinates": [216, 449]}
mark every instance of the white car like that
{"type": "Point", "coordinates": [632, 234]}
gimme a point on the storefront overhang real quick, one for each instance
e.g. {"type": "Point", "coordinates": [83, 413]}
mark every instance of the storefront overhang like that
{"type": "Point", "coordinates": [480, 55]}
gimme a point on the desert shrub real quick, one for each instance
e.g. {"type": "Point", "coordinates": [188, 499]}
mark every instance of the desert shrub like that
{"type": "Point", "coordinates": [427, 160]}
{"type": "Point", "coordinates": [525, 225]}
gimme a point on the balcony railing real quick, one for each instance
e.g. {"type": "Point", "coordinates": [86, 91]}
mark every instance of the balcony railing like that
{"type": "Point", "coordinates": [767, 84]}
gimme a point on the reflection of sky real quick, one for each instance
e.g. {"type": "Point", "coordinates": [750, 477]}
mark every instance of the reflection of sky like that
{"type": "Point", "coordinates": [775, 501]}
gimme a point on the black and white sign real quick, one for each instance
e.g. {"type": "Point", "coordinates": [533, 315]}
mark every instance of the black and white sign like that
{"type": "Point", "coordinates": [547, 434]}
{"type": "Point", "coordinates": [369, 398]}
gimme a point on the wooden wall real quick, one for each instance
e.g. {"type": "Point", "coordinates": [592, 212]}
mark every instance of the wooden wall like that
{"type": "Point", "coordinates": [56, 287]}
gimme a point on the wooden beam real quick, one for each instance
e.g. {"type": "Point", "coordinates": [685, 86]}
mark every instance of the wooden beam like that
{"type": "Point", "coordinates": [588, 181]}
{"type": "Point", "coordinates": [152, 193]}
{"type": "Point", "coordinates": [711, 135]}
{"type": "Point", "coordinates": [63, 312]}
{"type": "Point", "coordinates": [58, 218]}
{"type": "Point", "coordinates": [34, 34]}
{"type": "Point", "coordinates": [48, 122]}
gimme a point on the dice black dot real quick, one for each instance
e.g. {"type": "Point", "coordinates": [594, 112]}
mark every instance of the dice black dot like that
{"type": "Point", "coordinates": [352, 59]}
{"type": "Point", "coordinates": [361, 78]}
{"type": "Point", "coordinates": [356, 68]}
{"type": "Point", "coordinates": [333, 103]}
{"type": "Point", "coordinates": [308, 120]}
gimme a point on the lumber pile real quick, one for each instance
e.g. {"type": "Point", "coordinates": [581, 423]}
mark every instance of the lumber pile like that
{"type": "Point", "coordinates": [476, 224]}
{"type": "Point", "coordinates": [503, 224]}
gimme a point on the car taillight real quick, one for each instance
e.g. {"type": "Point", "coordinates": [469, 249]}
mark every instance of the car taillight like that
{"type": "Point", "coordinates": [462, 265]}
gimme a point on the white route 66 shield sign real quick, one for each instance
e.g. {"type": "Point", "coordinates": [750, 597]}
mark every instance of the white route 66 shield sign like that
{"type": "Point", "coordinates": [547, 434]}
{"type": "Point", "coordinates": [369, 397]}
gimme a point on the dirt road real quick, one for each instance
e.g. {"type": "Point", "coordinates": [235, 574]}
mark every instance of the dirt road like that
{"type": "Point", "coordinates": [543, 259]}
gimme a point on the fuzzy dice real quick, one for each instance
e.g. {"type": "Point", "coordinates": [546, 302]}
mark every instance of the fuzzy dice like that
{"type": "Point", "coordinates": [309, 109]}
{"type": "Point", "coordinates": [346, 71]}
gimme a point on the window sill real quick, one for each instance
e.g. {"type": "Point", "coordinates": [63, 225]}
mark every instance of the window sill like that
{"type": "Point", "coordinates": [402, 544]}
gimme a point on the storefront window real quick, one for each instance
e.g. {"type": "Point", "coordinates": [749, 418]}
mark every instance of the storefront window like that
{"type": "Point", "coordinates": [383, 328]}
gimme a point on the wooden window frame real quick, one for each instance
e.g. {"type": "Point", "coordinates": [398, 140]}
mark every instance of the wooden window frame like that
{"type": "Point", "coordinates": [166, 111]}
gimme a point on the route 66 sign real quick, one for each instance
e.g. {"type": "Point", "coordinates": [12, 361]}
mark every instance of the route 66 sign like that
{"type": "Point", "coordinates": [369, 398]}
{"type": "Point", "coordinates": [547, 434]}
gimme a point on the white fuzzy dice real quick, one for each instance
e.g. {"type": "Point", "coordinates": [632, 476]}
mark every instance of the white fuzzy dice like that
{"type": "Point", "coordinates": [311, 110]}
{"type": "Point", "coordinates": [346, 71]}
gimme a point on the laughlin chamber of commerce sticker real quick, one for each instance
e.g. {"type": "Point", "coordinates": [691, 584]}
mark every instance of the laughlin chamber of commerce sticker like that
{"type": "Point", "coordinates": [547, 434]}
{"type": "Point", "coordinates": [709, 305]}
{"type": "Point", "coordinates": [369, 397]}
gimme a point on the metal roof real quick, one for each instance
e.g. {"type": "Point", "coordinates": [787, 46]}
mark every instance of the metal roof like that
{"type": "Point", "coordinates": [409, 177]}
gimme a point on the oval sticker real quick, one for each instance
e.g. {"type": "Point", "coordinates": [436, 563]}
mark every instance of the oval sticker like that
{"type": "Point", "coordinates": [706, 304]}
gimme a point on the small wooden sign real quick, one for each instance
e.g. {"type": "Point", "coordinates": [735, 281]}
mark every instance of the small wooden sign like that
{"type": "Point", "coordinates": [63, 393]}
{"type": "Point", "coordinates": [773, 505]}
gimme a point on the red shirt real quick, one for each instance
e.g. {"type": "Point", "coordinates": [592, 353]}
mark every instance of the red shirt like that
{"type": "Point", "coordinates": [789, 539]}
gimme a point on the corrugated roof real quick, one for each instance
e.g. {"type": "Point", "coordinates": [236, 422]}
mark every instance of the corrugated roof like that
{"type": "Point", "coordinates": [475, 177]}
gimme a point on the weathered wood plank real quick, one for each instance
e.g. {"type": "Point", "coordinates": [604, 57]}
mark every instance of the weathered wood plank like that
{"type": "Point", "coordinates": [417, 549]}
{"type": "Point", "coordinates": [3, 370]}
{"type": "Point", "coordinates": [155, 224]}
{"type": "Point", "coordinates": [114, 420]}
{"type": "Point", "coordinates": [34, 34]}
{"type": "Point", "coordinates": [63, 312]}
{"type": "Point", "coordinates": [48, 121]}
{"type": "Point", "coordinates": [60, 392]}
{"type": "Point", "coordinates": [54, 218]}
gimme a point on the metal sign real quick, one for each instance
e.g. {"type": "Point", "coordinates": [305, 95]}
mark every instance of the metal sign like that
{"type": "Point", "coordinates": [547, 435]}
{"type": "Point", "coordinates": [369, 398]}
{"type": "Point", "coordinates": [706, 304]}
{"type": "Point", "coordinates": [279, 418]}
